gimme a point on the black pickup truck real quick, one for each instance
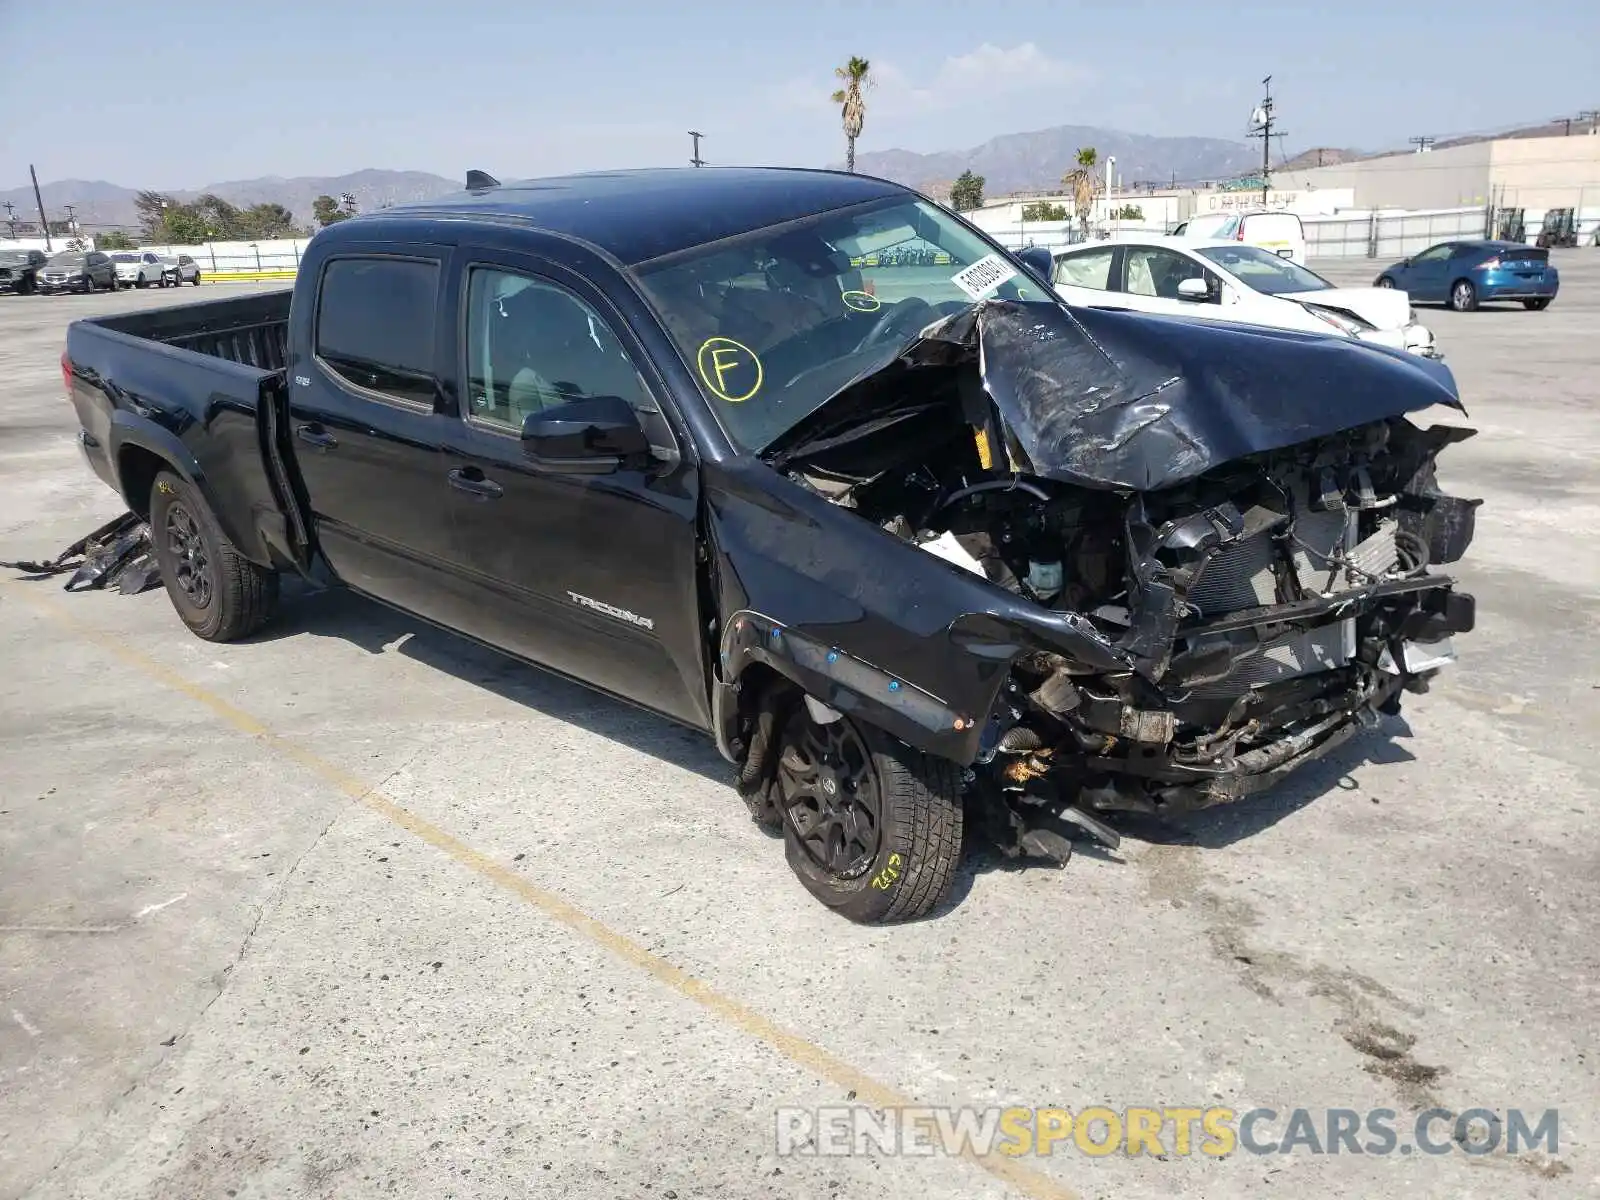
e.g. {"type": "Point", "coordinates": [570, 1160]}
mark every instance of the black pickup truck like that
{"type": "Point", "coordinates": [803, 460]}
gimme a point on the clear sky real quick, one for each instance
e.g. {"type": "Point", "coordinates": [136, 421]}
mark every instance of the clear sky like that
{"type": "Point", "coordinates": [178, 93]}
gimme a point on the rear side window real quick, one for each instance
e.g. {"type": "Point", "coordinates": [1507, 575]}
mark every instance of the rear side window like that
{"type": "Point", "coordinates": [375, 325]}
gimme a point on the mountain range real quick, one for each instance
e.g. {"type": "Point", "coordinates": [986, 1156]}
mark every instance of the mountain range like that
{"type": "Point", "coordinates": [1015, 162]}
{"type": "Point", "coordinates": [97, 203]}
{"type": "Point", "coordinates": [1036, 161]}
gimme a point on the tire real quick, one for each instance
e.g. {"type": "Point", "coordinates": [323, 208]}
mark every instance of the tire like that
{"type": "Point", "coordinates": [828, 777]}
{"type": "Point", "coordinates": [1385, 282]}
{"type": "Point", "coordinates": [1536, 305]}
{"type": "Point", "coordinates": [218, 593]}
{"type": "Point", "coordinates": [1463, 296]}
{"type": "Point", "coordinates": [141, 282]}
{"type": "Point", "coordinates": [196, 279]}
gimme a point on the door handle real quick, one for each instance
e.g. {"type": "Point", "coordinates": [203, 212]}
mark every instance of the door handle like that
{"type": "Point", "coordinates": [471, 481]}
{"type": "Point", "coordinates": [317, 436]}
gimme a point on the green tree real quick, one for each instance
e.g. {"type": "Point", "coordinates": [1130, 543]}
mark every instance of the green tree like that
{"type": "Point", "coordinates": [1043, 210]}
{"type": "Point", "coordinates": [182, 226]}
{"type": "Point", "coordinates": [152, 209]}
{"type": "Point", "coordinates": [326, 211]}
{"type": "Point", "coordinates": [1129, 212]}
{"type": "Point", "coordinates": [267, 221]}
{"type": "Point", "coordinates": [856, 77]}
{"type": "Point", "coordinates": [966, 193]}
{"type": "Point", "coordinates": [113, 239]}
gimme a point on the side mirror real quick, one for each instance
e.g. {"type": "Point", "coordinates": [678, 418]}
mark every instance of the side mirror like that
{"type": "Point", "coordinates": [1040, 261]}
{"type": "Point", "coordinates": [1193, 289]}
{"type": "Point", "coordinates": [593, 435]}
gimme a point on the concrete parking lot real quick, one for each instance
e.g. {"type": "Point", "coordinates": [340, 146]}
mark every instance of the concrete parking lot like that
{"type": "Point", "coordinates": [356, 908]}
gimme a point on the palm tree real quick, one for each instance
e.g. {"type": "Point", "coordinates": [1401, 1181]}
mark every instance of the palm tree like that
{"type": "Point", "coordinates": [1080, 181]}
{"type": "Point", "coordinates": [856, 77]}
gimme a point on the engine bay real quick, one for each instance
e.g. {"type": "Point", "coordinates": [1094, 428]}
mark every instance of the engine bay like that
{"type": "Point", "coordinates": [1272, 605]}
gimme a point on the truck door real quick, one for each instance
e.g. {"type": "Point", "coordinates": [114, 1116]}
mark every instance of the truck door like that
{"type": "Point", "coordinates": [366, 420]}
{"type": "Point", "coordinates": [593, 575]}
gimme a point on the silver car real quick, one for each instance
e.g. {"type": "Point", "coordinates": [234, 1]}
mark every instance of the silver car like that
{"type": "Point", "coordinates": [179, 269]}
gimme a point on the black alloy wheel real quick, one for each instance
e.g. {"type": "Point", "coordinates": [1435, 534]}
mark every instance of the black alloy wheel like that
{"type": "Point", "coordinates": [191, 564]}
{"type": "Point", "coordinates": [830, 796]}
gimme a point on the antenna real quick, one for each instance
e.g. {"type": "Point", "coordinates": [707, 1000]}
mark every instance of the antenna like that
{"type": "Point", "coordinates": [1423, 144]}
{"type": "Point", "coordinates": [1262, 125]}
{"type": "Point", "coordinates": [696, 161]}
{"type": "Point", "coordinates": [479, 180]}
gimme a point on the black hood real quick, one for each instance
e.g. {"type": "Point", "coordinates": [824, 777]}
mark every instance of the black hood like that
{"type": "Point", "coordinates": [1119, 400]}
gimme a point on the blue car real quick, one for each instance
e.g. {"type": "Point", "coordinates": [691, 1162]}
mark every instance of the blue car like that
{"type": "Point", "coordinates": [1466, 274]}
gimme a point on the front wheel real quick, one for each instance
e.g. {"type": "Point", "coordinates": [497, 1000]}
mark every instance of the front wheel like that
{"type": "Point", "coordinates": [871, 826]}
{"type": "Point", "coordinates": [1538, 305]}
{"type": "Point", "coordinates": [196, 279]}
{"type": "Point", "coordinates": [1463, 296]}
{"type": "Point", "coordinates": [218, 593]}
{"type": "Point", "coordinates": [142, 282]}
{"type": "Point", "coordinates": [1385, 282]}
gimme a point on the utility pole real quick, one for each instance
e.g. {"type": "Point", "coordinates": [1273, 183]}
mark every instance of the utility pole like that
{"type": "Point", "coordinates": [696, 160]}
{"type": "Point", "coordinates": [1566, 122]}
{"type": "Point", "coordinates": [72, 219]}
{"type": "Point", "coordinates": [1263, 120]}
{"type": "Point", "coordinates": [11, 220]}
{"type": "Point", "coordinates": [1591, 115]}
{"type": "Point", "coordinates": [349, 203]}
{"type": "Point", "coordinates": [39, 200]}
{"type": "Point", "coordinates": [1423, 144]}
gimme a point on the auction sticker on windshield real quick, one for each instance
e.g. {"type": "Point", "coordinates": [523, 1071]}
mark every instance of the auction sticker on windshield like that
{"type": "Point", "coordinates": [983, 276]}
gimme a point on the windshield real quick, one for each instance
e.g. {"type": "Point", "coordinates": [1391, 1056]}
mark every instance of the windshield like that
{"type": "Point", "coordinates": [1263, 270]}
{"type": "Point", "coordinates": [124, 258]}
{"type": "Point", "coordinates": [777, 321]}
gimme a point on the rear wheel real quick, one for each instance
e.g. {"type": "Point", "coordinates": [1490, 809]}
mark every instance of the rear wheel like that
{"type": "Point", "coordinates": [196, 279]}
{"type": "Point", "coordinates": [218, 593]}
{"type": "Point", "coordinates": [1463, 296]}
{"type": "Point", "coordinates": [1538, 305]}
{"type": "Point", "coordinates": [871, 826]}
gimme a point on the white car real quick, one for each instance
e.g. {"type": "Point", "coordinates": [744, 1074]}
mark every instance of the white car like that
{"type": "Point", "coordinates": [140, 268]}
{"type": "Point", "coordinates": [1231, 281]}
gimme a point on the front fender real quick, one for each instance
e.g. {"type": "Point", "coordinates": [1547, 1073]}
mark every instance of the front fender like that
{"type": "Point", "coordinates": [865, 622]}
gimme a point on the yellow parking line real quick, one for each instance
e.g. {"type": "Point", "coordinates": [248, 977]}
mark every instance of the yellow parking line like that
{"type": "Point", "coordinates": [1028, 1182]}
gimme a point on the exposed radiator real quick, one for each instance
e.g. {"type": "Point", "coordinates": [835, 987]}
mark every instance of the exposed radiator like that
{"type": "Point", "coordinates": [1242, 576]}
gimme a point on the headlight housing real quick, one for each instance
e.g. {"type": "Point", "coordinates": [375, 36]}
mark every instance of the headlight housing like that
{"type": "Point", "coordinates": [1344, 322]}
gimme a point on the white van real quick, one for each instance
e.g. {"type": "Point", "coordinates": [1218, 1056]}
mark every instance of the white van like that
{"type": "Point", "coordinates": [1279, 232]}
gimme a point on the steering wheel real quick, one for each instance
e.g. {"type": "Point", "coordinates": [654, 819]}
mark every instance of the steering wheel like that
{"type": "Point", "coordinates": [895, 320]}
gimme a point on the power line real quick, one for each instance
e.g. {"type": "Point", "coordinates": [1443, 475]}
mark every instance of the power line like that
{"type": "Point", "coordinates": [1423, 144]}
{"type": "Point", "coordinates": [1263, 121]}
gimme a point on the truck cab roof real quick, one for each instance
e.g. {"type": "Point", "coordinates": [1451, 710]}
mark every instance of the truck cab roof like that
{"type": "Point", "coordinates": [639, 215]}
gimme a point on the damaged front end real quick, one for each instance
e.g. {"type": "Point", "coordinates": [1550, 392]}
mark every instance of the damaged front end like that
{"type": "Point", "coordinates": [1246, 519]}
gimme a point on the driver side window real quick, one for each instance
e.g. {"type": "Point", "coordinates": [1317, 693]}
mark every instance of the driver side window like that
{"type": "Point", "coordinates": [1434, 254]}
{"type": "Point", "coordinates": [533, 345]}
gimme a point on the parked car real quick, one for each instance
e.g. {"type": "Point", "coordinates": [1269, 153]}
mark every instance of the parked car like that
{"type": "Point", "coordinates": [139, 268]}
{"type": "Point", "coordinates": [1280, 232]}
{"type": "Point", "coordinates": [1226, 281]}
{"type": "Point", "coordinates": [77, 271]}
{"type": "Point", "coordinates": [1466, 274]}
{"type": "Point", "coordinates": [178, 269]}
{"type": "Point", "coordinates": [19, 270]}
{"type": "Point", "coordinates": [916, 546]}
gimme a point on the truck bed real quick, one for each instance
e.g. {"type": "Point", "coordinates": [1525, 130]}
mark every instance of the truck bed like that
{"type": "Point", "coordinates": [251, 330]}
{"type": "Point", "coordinates": [201, 389]}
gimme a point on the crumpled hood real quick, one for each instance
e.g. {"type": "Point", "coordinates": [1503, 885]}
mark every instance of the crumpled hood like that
{"type": "Point", "coordinates": [1382, 308]}
{"type": "Point", "coordinates": [1121, 400]}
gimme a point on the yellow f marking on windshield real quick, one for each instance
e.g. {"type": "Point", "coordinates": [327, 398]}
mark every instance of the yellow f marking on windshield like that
{"type": "Point", "coordinates": [721, 357]}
